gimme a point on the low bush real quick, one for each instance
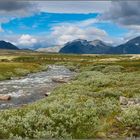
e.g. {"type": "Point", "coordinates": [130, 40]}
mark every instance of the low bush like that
{"type": "Point", "coordinates": [87, 107]}
{"type": "Point", "coordinates": [130, 117]}
{"type": "Point", "coordinates": [20, 71]}
{"type": "Point", "coordinates": [129, 121]}
{"type": "Point", "coordinates": [115, 68]}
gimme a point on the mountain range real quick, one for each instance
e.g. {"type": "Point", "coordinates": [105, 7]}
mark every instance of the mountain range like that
{"type": "Point", "coordinates": [81, 46]}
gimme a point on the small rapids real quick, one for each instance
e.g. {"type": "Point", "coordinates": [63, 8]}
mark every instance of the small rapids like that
{"type": "Point", "coordinates": [31, 87]}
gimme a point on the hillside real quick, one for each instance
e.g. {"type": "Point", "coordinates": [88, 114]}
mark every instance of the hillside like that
{"type": "Point", "coordinates": [7, 45]}
{"type": "Point", "coordinates": [81, 46]}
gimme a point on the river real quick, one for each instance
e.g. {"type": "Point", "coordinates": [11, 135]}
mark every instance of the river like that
{"type": "Point", "coordinates": [31, 87]}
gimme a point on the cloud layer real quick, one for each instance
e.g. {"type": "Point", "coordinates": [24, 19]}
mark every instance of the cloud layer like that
{"type": "Point", "coordinates": [9, 6]}
{"type": "Point", "coordinates": [126, 13]}
{"type": "Point", "coordinates": [15, 9]}
{"type": "Point", "coordinates": [73, 6]}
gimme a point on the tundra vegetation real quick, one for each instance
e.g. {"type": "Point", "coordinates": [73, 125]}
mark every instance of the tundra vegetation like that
{"type": "Point", "coordinates": [87, 107]}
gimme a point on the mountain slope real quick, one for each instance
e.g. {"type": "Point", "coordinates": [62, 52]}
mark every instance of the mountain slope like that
{"type": "Point", "coordinates": [81, 46]}
{"type": "Point", "coordinates": [7, 45]}
{"type": "Point", "coordinates": [130, 47]}
{"type": "Point", "coordinates": [99, 47]}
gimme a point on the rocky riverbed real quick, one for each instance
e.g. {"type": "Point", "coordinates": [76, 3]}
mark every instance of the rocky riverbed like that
{"type": "Point", "coordinates": [33, 87]}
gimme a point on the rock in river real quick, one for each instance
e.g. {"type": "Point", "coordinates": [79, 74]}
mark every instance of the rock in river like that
{"type": "Point", "coordinates": [60, 79]}
{"type": "Point", "coordinates": [5, 97]}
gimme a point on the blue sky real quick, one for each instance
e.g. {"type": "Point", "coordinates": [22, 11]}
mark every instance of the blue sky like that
{"type": "Point", "coordinates": [42, 23]}
{"type": "Point", "coordinates": [55, 23]}
{"type": "Point", "coordinates": [39, 22]}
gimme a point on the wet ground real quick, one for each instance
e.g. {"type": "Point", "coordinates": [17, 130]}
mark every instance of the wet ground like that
{"type": "Point", "coordinates": [32, 87]}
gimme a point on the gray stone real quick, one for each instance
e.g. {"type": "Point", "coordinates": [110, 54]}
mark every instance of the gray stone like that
{"type": "Point", "coordinates": [131, 102]}
{"type": "Point", "coordinates": [123, 100]}
{"type": "Point", "coordinates": [137, 100]}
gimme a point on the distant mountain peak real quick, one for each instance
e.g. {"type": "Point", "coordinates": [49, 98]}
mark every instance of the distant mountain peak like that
{"type": "Point", "coordinates": [79, 39]}
{"type": "Point", "coordinates": [97, 42]}
{"type": "Point", "coordinates": [83, 46]}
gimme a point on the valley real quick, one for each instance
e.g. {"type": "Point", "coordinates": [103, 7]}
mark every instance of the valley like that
{"type": "Point", "coordinates": [102, 100]}
{"type": "Point", "coordinates": [70, 69]}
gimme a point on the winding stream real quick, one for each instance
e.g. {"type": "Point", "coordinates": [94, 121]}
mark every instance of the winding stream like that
{"type": "Point", "coordinates": [32, 87]}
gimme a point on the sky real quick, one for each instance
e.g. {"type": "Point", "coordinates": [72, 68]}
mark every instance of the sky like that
{"type": "Point", "coordinates": [34, 24]}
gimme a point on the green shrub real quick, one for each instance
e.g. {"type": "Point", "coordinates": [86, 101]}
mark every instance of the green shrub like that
{"type": "Point", "coordinates": [97, 68]}
{"type": "Point", "coordinates": [21, 71]}
{"type": "Point", "coordinates": [44, 67]}
{"type": "Point", "coordinates": [108, 107]}
{"type": "Point", "coordinates": [131, 117]}
{"type": "Point", "coordinates": [2, 77]}
{"type": "Point", "coordinates": [115, 68]}
{"type": "Point", "coordinates": [109, 92]}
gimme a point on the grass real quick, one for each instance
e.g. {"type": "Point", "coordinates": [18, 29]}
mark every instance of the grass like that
{"type": "Point", "coordinates": [87, 107]}
{"type": "Point", "coordinates": [16, 69]}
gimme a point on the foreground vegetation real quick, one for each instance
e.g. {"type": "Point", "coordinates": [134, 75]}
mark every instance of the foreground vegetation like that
{"type": "Point", "coordinates": [87, 107]}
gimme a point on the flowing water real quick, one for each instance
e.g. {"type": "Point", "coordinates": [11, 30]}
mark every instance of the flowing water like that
{"type": "Point", "coordinates": [32, 87]}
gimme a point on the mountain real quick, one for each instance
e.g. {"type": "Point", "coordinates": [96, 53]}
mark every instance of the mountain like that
{"type": "Point", "coordinates": [81, 46]}
{"type": "Point", "coordinates": [100, 47]}
{"type": "Point", "coordinates": [7, 45]}
{"type": "Point", "coordinates": [130, 47]}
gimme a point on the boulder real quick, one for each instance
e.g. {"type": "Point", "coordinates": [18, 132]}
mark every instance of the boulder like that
{"type": "Point", "coordinates": [15, 78]}
{"type": "Point", "coordinates": [137, 100]}
{"type": "Point", "coordinates": [123, 100]}
{"type": "Point", "coordinates": [60, 79]}
{"type": "Point", "coordinates": [5, 97]}
{"type": "Point", "coordinates": [131, 102]}
{"type": "Point", "coordinates": [47, 94]}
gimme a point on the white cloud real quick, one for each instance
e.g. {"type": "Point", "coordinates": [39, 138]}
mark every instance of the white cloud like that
{"type": "Point", "coordinates": [1, 29]}
{"type": "Point", "coordinates": [65, 32]}
{"type": "Point", "coordinates": [26, 40]}
{"type": "Point", "coordinates": [88, 22]}
{"type": "Point", "coordinates": [135, 28]}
